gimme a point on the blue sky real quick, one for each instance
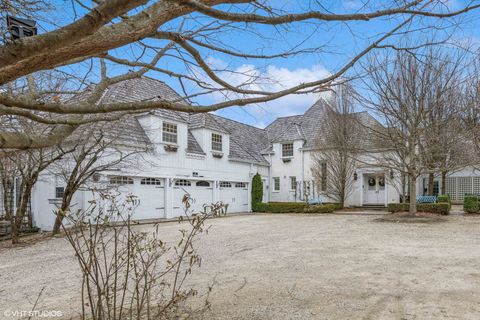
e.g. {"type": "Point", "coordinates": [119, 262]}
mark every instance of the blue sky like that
{"type": "Point", "coordinates": [338, 43]}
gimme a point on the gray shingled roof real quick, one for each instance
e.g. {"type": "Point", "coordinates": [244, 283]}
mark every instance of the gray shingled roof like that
{"type": "Point", "coordinates": [192, 145]}
{"type": "Point", "coordinates": [246, 142]}
{"type": "Point", "coordinates": [310, 127]}
{"type": "Point", "coordinates": [276, 129]}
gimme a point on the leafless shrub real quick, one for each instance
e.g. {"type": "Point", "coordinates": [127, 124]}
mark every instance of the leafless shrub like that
{"type": "Point", "coordinates": [129, 273]}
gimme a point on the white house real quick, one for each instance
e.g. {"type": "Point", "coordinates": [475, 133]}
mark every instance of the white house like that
{"type": "Point", "coordinates": [214, 159]}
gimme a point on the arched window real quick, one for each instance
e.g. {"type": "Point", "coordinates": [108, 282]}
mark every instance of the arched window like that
{"type": "Point", "coordinates": [203, 184]}
{"type": "Point", "coordinates": [184, 183]}
{"type": "Point", "coordinates": [151, 181]}
{"type": "Point", "coordinates": [121, 180]}
{"type": "Point", "coordinates": [240, 185]}
{"type": "Point", "coordinates": [225, 184]}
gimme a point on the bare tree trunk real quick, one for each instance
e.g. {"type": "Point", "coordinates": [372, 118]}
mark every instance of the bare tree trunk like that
{"type": "Point", "coordinates": [20, 212]}
{"type": "Point", "coordinates": [66, 201]}
{"type": "Point", "coordinates": [444, 182]}
{"type": "Point", "coordinates": [413, 194]}
{"type": "Point", "coordinates": [431, 177]}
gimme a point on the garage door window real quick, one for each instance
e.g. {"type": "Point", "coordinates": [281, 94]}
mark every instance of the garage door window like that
{"type": "Point", "coordinates": [224, 184]}
{"type": "Point", "coordinates": [151, 181]}
{"type": "Point", "coordinates": [203, 184]}
{"type": "Point", "coordinates": [184, 183]}
{"type": "Point", "coordinates": [121, 180]}
{"type": "Point", "coordinates": [240, 185]}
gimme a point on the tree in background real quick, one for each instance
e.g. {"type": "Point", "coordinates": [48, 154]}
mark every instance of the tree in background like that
{"type": "Point", "coordinates": [336, 148]}
{"type": "Point", "coordinates": [96, 149]}
{"type": "Point", "coordinates": [413, 94]}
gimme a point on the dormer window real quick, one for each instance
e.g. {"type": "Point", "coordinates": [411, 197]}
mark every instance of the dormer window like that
{"type": "Point", "coordinates": [287, 150]}
{"type": "Point", "coordinates": [169, 132]}
{"type": "Point", "coordinates": [216, 142]}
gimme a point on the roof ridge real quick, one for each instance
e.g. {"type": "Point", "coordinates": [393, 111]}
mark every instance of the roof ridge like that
{"type": "Point", "coordinates": [296, 115]}
{"type": "Point", "coordinates": [228, 119]}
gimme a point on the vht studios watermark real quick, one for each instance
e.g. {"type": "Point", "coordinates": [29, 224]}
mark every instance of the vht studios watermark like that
{"type": "Point", "coordinates": [32, 313]}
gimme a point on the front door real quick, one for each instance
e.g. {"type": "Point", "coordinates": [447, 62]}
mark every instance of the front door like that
{"type": "Point", "coordinates": [374, 189]}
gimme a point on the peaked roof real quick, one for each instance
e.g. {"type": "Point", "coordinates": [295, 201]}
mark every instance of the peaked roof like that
{"type": "Point", "coordinates": [310, 127]}
{"type": "Point", "coordinates": [247, 143]}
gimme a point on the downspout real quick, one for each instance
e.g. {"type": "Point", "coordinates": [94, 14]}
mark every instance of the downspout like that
{"type": "Point", "coordinates": [303, 164]}
{"type": "Point", "coordinates": [250, 175]}
{"type": "Point", "coordinates": [302, 192]}
{"type": "Point", "coordinates": [269, 177]}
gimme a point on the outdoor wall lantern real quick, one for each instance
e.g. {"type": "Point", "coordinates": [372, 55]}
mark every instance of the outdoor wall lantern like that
{"type": "Point", "coordinates": [20, 28]}
{"type": "Point", "coordinates": [355, 176]}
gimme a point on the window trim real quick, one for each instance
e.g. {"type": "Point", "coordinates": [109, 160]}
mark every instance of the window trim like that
{"type": "Point", "coordinates": [224, 184]}
{"type": "Point", "coordinates": [150, 181]}
{"type": "Point", "coordinates": [275, 179]}
{"type": "Point", "coordinates": [120, 180]}
{"type": "Point", "coordinates": [289, 150]}
{"type": "Point", "coordinates": [169, 132]}
{"type": "Point", "coordinates": [203, 184]}
{"type": "Point", "coordinates": [57, 192]}
{"type": "Point", "coordinates": [183, 183]}
{"type": "Point", "coordinates": [216, 140]}
{"type": "Point", "coordinates": [292, 180]}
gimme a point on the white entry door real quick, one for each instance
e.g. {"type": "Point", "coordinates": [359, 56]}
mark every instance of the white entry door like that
{"type": "Point", "coordinates": [374, 189]}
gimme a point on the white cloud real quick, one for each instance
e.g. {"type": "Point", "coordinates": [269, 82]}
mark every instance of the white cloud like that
{"type": "Point", "coordinates": [353, 4]}
{"type": "Point", "coordinates": [272, 78]}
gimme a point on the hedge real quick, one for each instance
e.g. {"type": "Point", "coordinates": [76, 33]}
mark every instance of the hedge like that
{"type": "Point", "coordinates": [281, 207]}
{"type": "Point", "coordinates": [471, 204]}
{"type": "Point", "coordinates": [440, 208]}
{"type": "Point", "coordinates": [445, 198]}
{"type": "Point", "coordinates": [294, 207]}
{"type": "Point", "coordinates": [321, 208]}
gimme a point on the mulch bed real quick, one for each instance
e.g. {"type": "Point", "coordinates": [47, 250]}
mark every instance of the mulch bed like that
{"type": "Point", "coordinates": [406, 217]}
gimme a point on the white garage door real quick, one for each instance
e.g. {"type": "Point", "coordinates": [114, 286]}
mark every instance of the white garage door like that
{"type": "Point", "coordinates": [201, 192]}
{"type": "Point", "coordinates": [149, 196]}
{"type": "Point", "coordinates": [235, 194]}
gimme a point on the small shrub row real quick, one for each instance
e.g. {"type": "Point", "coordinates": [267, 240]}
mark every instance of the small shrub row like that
{"type": "Point", "coordinates": [293, 207]}
{"type": "Point", "coordinates": [445, 198]}
{"type": "Point", "coordinates": [471, 204]}
{"type": "Point", "coordinates": [439, 208]}
{"type": "Point", "coordinates": [321, 208]}
{"type": "Point", "coordinates": [281, 207]}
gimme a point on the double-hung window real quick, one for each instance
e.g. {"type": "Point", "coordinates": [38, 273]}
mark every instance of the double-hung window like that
{"type": "Point", "coordinates": [287, 150]}
{"type": "Point", "coordinates": [293, 183]}
{"type": "Point", "coordinates": [276, 184]}
{"type": "Point", "coordinates": [169, 132]}
{"type": "Point", "coordinates": [216, 142]}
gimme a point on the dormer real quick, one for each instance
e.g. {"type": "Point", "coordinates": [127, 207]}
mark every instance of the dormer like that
{"type": "Point", "coordinates": [167, 134]}
{"type": "Point", "coordinates": [217, 144]}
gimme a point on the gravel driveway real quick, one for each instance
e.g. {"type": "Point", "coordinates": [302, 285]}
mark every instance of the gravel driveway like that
{"type": "Point", "coordinates": [293, 267]}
